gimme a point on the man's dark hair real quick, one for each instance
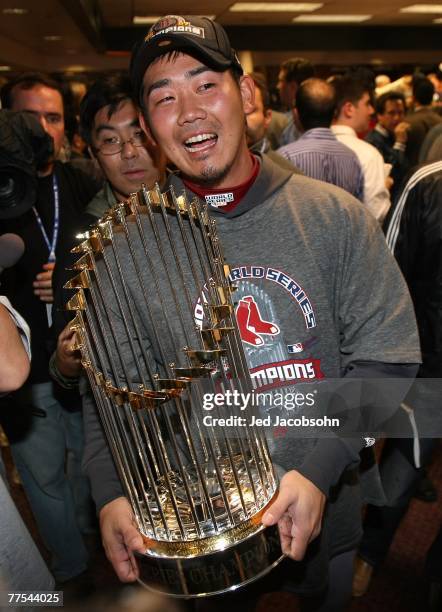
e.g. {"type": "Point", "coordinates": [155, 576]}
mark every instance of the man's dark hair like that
{"type": "Point", "coordinates": [108, 91]}
{"type": "Point", "coordinates": [26, 81]}
{"type": "Point", "coordinates": [261, 83]}
{"type": "Point", "coordinates": [349, 88]}
{"type": "Point", "coordinates": [315, 102]}
{"type": "Point", "coordinates": [394, 96]}
{"type": "Point", "coordinates": [298, 70]}
{"type": "Point", "coordinates": [423, 90]}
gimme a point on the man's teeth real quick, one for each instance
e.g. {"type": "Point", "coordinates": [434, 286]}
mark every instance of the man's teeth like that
{"type": "Point", "coordinates": [199, 138]}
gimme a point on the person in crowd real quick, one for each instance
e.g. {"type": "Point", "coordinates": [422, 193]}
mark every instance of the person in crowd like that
{"type": "Point", "coordinates": [291, 74]}
{"type": "Point", "coordinates": [436, 79]}
{"type": "Point", "coordinates": [110, 126]}
{"type": "Point", "coordinates": [278, 123]}
{"type": "Point", "coordinates": [195, 97]}
{"type": "Point", "coordinates": [318, 153]}
{"type": "Point", "coordinates": [381, 80]}
{"type": "Point", "coordinates": [258, 123]}
{"type": "Point", "coordinates": [413, 235]}
{"type": "Point", "coordinates": [44, 429]}
{"type": "Point", "coordinates": [401, 85]}
{"type": "Point", "coordinates": [21, 565]}
{"type": "Point", "coordinates": [431, 149]}
{"type": "Point", "coordinates": [422, 118]}
{"type": "Point", "coordinates": [390, 136]}
{"type": "Point", "coordinates": [77, 153]}
{"type": "Point", "coordinates": [353, 112]}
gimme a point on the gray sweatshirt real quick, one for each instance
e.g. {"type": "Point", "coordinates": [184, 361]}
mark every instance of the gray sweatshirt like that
{"type": "Point", "coordinates": [313, 263]}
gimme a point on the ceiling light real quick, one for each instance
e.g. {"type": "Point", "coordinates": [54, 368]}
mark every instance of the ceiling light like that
{"type": "Point", "coordinates": [144, 20]}
{"type": "Point", "coordinates": [52, 37]}
{"type": "Point", "coordinates": [331, 18]}
{"type": "Point", "coordinates": [5, 68]}
{"type": "Point", "coordinates": [271, 7]}
{"type": "Point", "coordinates": [76, 68]}
{"type": "Point", "coordinates": [422, 8]}
{"type": "Point", "coordinates": [15, 11]}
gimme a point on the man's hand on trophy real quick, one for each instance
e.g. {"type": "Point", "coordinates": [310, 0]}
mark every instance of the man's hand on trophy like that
{"type": "Point", "coordinates": [121, 538]}
{"type": "Point", "coordinates": [67, 357]}
{"type": "Point", "coordinates": [298, 510]}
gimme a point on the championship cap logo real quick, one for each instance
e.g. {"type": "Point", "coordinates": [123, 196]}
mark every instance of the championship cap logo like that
{"type": "Point", "coordinates": [171, 24]}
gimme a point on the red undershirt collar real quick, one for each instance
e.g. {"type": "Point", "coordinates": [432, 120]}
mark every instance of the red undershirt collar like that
{"type": "Point", "coordinates": [225, 200]}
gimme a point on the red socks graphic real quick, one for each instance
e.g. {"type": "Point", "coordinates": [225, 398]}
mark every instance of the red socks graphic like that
{"type": "Point", "coordinates": [250, 323]}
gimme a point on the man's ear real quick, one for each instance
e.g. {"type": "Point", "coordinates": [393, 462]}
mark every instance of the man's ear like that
{"type": "Point", "coordinates": [267, 118]}
{"type": "Point", "coordinates": [146, 129]}
{"type": "Point", "coordinates": [348, 109]}
{"type": "Point", "coordinates": [292, 88]}
{"type": "Point", "coordinates": [91, 153]}
{"type": "Point", "coordinates": [296, 120]}
{"type": "Point", "coordinates": [247, 89]}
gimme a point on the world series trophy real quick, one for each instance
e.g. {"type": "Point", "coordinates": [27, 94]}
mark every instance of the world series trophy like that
{"type": "Point", "coordinates": [156, 328]}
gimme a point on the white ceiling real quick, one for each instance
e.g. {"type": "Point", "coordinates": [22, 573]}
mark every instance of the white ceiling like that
{"type": "Point", "coordinates": [22, 43]}
{"type": "Point", "coordinates": [118, 13]}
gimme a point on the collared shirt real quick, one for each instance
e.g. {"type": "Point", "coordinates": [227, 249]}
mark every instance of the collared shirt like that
{"type": "Point", "coordinates": [320, 155]}
{"type": "Point", "coordinates": [376, 195]}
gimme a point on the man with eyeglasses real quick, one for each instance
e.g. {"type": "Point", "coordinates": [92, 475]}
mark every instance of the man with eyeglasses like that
{"type": "Point", "coordinates": [390, 136]}
{"type": "Point", "coordinates": [110, 126]}
{"type": "Point", "coordinates": [44, 430]}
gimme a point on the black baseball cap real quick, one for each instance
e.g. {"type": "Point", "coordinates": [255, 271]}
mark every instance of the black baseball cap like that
{"type": "Point", "coordinates": [198, 36]}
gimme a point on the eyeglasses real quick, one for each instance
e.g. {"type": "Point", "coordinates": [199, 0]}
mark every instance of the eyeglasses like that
{"type": "Point", "coordinates": [113, 145]}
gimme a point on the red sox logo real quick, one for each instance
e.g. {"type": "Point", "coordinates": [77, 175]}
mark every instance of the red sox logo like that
{"type": "Point", "coordinates": [251, 325]}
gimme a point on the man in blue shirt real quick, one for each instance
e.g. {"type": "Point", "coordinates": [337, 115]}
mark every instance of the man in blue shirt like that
{"type": "Point", "coordinates": [318, 153]}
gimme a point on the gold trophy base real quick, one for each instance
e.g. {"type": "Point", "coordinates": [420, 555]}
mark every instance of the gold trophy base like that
{"type": "Point", "coordinates": [216, 572]}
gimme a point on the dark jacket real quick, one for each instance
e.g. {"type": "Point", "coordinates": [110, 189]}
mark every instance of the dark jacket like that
{"type": "Point", "coordinates": [75, 190]}
{"type": "Point", "coordinates": [415, 236]}
{"type": "Point", "coordinates": [393, 154]}
{"type": "Point", "coordinates": [421, 121]}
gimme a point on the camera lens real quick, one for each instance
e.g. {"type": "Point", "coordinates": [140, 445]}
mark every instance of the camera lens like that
{"type": "Point", "coordinates": [6, 188]}
{"type": "Point", "coordinates": [17, 192]}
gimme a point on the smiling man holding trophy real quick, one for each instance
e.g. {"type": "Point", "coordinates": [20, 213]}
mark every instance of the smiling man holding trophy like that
{"type": "Point", "coordinates": [242, 277]}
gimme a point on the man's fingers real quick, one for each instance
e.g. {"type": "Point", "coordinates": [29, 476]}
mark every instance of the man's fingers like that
{"type": "Point", "coordinates": [119, 548]}
{"type": "Point", "coordinates": [43, 291]}
{"type": "Point", "coordinates": [66, 334]}
{"type": "Point", "coordinates": [298, 511]}
{"type": "Point", "coordinates": [133, 540]}
{"type": "Point", "coordinates": [42, 281]}
{"type": "Point", "coordinates": [125, 566]}
{"type": "Point", "coordinates": [278, 508]}
{"type": "Point", "coordinates": [294, 541]}
{"type": "Point", "coordinates": [45, 295]}
{"type": "Point", "coordinates": [285, 533]}
{"type": "Point", "coordinates": [299, 542]}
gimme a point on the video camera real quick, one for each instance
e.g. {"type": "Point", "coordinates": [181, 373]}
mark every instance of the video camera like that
{"type": "Point", "coordinates": [24, 148]}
